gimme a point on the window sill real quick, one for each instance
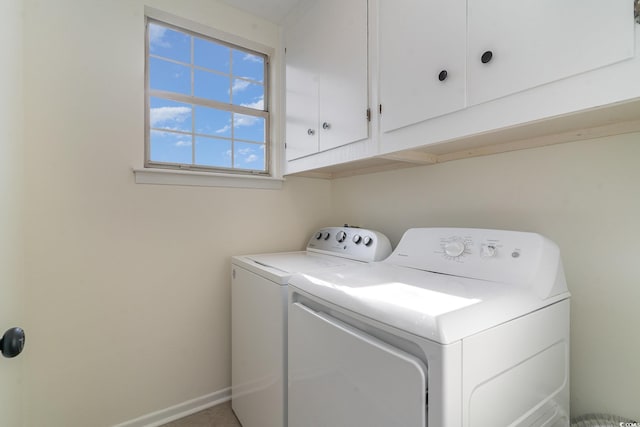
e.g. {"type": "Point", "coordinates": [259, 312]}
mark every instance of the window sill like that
{"type": "Point", "coordinates": [204, 179]}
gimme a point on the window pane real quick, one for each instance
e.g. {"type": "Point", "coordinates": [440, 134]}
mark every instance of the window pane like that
{"type": "Point", "coordinates": [169, 76]}
{"type": "Point", "coordinates": [196, 89]}
{"type": "Point", "coordinates": [213, 122]}
{"type": "Point", "coordinates": [169, 43]}
{"type": "Point", "coordinates": [248, 94]}
{"type": "Point", "coordinates": [248, 65]}
{"type": "Point", "coordinates": [213, 152]}
{"type": "Point", "coordinates": [249, 156]}
{"type": "Point", "coordinates": [250, 128]}
{"type": "Point", "coordinates": [172, 115]}
{"type": "Point", "coordinates": [211, 55]}
{"type": "Point", "coordinates": [170, 147]}
{"type": "Point", "coordinates": [211, 86]}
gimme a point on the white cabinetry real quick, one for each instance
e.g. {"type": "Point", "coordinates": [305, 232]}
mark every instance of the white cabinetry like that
{"type": "Point", "coordinates": [489, 49]}
{"type": "Point", "coordinates": [536, 42]}
{"type": "Point", "coordinates": [326, 77]}
{"type": "Point", "coordinates": [421, 60]}
{"type": "Point", "coordinates": [455, 78]}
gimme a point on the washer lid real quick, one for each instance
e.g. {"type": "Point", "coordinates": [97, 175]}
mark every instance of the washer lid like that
{"type": "Point", "coordinates": [438, 307]}
{"type": "Point", "coordinates": [279, 267]}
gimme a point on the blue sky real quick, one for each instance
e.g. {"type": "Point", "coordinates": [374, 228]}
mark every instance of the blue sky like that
{"type": "Point", "coordinates": [216, 73]}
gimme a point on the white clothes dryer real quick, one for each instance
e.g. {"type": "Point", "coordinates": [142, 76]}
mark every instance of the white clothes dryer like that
{"type": "Point", "coordinates": [259, 316]}
{"type": "Point", "coordinates": [457, 328]}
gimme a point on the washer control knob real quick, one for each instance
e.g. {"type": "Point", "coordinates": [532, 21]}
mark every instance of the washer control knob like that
{"type": "Point", "coordinates": [454, 248]}
{"type": "Point", "coordinates": [318, 235]}
{"type": "Point", "coordinates": [357, 239]}
{"type": "Point", "coordinates": [488, 251]}
{"type": "Point", "coordinates": [341, 236]}
{"type": "Point", "coordinates": [368, 241]}
{"type": "Point", "coordinates": [326, 235]}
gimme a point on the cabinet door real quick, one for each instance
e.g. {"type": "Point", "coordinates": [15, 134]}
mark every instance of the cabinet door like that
{"type": "Point", "coordinates": [537, 42]}
{"type": "Point", "coordinates": [418, 40]}
{"type": "Point", "coordinates": [327, 77]}
{"type": "Point", "coordinates": [341, 43]}
{"type": "Point", "coordinates": [302, 81]}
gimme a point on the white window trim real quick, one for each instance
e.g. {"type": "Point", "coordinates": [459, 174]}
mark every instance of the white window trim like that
{"type": "Point", "coordinates": [160, 176]}
{"type": "Point", "coordinates": [205, 179]}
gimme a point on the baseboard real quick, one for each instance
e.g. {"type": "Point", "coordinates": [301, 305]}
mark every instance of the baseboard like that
{"type": "Point", "coordinates": [180, 410]}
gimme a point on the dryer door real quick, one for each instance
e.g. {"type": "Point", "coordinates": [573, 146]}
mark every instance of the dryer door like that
{"type": "Point", "coordinates": [341, 377]}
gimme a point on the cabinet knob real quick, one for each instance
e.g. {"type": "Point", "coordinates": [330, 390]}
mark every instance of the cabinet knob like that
{"type": "Point", "coordinates": [442, 76]}
{"type": "Point", "coordinates": [12, 342]}
{"type": "Point", "coordinates": [326, 126]}
{"type": "Point", "coordinates": [486, 57]}
{"type": "Point", "coordinates": [311, 132]}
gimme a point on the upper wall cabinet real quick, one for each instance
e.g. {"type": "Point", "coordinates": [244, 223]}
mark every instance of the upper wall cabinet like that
{"type": "Point", "coordinates": [455, 78]}
{"type": "Point", "coordinates": [515, 45]}
{"type": "Point", "coordinates": [439, 56]}
{"type": "Point", "coordinates": [421, 59]}
{"type": "Point", "coordinates": [326, 77]}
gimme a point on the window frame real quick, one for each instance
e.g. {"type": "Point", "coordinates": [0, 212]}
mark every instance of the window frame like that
{"type": "Point", "coordinates": [236, 43]}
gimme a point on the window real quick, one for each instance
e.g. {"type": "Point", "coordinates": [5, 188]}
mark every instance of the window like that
{"type": "Point", "coordinates": [206, 103]}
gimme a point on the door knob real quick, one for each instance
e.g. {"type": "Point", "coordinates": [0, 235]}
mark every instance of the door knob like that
{"type": "Point", "coordinates": [12, 342]}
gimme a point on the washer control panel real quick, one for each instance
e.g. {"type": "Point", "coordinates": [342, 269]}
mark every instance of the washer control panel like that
{"type": "Point", "coordinates": [355, 243]}
{"type": "Point", "coordinates": [494, 255]}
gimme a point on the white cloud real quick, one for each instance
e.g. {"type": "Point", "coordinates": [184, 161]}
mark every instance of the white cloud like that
{"type": "Point", "coordinates": [223, 129]}
{"type": "Point", "coordinates": [161, 115]}
{"type": "Point", "coordinates": [251, 158]}
{"type": "Point", "coordinates": [239, 85]}
{"type": "Point", "coordinates": [183, 143]}
{"type": "Point", "coordinates": [240, 120]}
{"type": "Point", "coordinates": [156, 36]}
{"type": "Point", "coordinates": [258, 104]}
{"type": "Point", "coordinates": [252, 58]}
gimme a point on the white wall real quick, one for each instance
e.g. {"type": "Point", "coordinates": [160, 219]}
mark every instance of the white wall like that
{"type": "Point", "coordinates": [128, 288]}
{"type": "Point", "coordinates": [127, 285]}
{"type": "Point", "coordinates": [585, 196]}
{"type": "Point", "coordinates": [11, 189]}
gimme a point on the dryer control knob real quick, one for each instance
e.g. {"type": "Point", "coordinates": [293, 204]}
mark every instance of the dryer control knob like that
{"type": "Point", "coordinates": [341, 236]}
{"type": "Point", "coordinates": [326, 235]}
{"type": "Point", "coordinates": [488, 251]}
{"type": "Point", "coordinates": [368, 241]}
{"type": "Point", "coordinates": [318, 235]}
{"type": "Point", "coordinates": [357, 239]}
{"type": "Point", "coordinates": [454, 248]}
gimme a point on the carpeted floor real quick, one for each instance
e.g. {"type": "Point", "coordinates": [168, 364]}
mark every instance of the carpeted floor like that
{"type": "Point", "coordinates": [218, 416]}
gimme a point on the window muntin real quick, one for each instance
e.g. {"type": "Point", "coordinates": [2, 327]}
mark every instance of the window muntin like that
{"type": "Point", "coordinates": [206, 103]}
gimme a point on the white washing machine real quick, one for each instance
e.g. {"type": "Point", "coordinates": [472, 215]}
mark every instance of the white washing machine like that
{"type": "Point", "coordinates": [259, 316]}
{"type": "Point", "coordinates": [458, 327]}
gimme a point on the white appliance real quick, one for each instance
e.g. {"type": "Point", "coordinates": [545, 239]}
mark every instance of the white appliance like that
{"type": "Point", "coordinates": [458, 327]}
{"type": "Point", "coordinates": [259, 316]}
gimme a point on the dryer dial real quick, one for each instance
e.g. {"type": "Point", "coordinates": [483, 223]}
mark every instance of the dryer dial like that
{"type": "Point", "coordinates": [341, 236]}
{"type": "Point", "coordinates": [454, 248]}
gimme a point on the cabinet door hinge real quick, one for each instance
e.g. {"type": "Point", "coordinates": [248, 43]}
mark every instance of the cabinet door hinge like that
{"type": "Point", "coordinates": [368, 114]}
{"type": "Point", "coordinates": [380, 108]}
